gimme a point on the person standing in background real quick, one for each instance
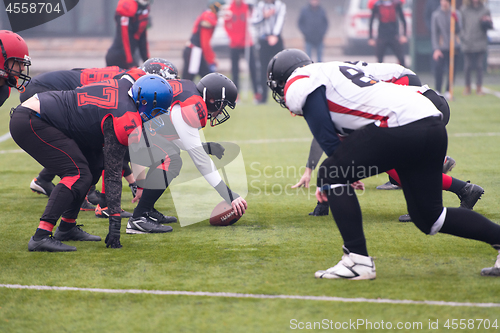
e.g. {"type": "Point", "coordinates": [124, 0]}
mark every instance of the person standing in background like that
{"type": "Point", "coordinates": [241, 43]}
{"type": "Point", "coordinates": [440, 37]}
{"type": "Point", "coordinates": [132, 19]}
{"type": "Point", "coordinates": [476, 20]}
{"type": "Point", "coordinates": [268, 17]}
{"type": "Point", "coordinates": [387, 12]}
{"type": "Point", "coordinates": [313, 23]}
{"type": "Point", "coordinates": [198, 55]}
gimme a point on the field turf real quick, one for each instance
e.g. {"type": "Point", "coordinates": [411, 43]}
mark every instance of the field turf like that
{"type": "Point", "coordinates": [273, 250]}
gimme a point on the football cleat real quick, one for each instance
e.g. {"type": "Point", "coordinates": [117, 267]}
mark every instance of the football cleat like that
{"type": "Point", "coordinates": [158, 217]}
{"type": "Point", "coordinates": [103, 213]}
{"type": "Point", "coordinates": [41, 187]}
{"type": "Point", "coordinates": [388, 186]}
{"type": "Point", "coordinates": [405, 218]}
{"type": "Point", "coordinates": [94, 196]}
{"type": "Point", "coordinates": [49, 244]}
{"type": "Point", "coordinates": [321, 209]}
{"type": "Point", "coordinates": [469, 195]}
{"type": "Point", "coordinates": [87, 206]}
{"type": "Point", "coordinates": [75, 234]}
{"type": "Point", "coordinates": [492, 271]}
{"type": "Point", "coordinates": [141, 225]}
{"type": "Point", "coordinates": [449, 164]}
{"type": "Point", "coordinates": [352, 267]}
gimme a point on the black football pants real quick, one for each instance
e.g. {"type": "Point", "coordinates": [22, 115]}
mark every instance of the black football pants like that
{"type": "Point", "coordinates": [55, 151]}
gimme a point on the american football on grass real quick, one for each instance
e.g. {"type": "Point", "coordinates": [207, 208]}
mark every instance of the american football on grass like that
{"type": "Point", "coordinates": [223, 215]}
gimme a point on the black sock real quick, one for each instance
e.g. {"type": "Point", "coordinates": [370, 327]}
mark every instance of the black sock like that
{"type": "Point", "coordinates": [456, 185]}
{"type": "Point", "coordinates": [347, 214]}
{"type": "Point", "coordinates": [65, 226]}
{"type": "Point", "coordinates": [41, 234]}
{"type": "Point", "coordinates": [147, 201]}
{"type": "Point", "coordinates": [469, 224]}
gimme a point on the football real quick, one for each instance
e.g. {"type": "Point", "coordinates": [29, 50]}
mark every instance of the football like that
{"type": "Point", "coordinates": [223, 215]}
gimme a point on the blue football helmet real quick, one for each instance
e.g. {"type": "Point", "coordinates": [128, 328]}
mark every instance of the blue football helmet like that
{"type": "Point", "coordinates": [153, 96]}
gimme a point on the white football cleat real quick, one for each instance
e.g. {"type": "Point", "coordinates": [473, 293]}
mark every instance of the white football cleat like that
{"type": "Point", "coordinates": [492, 271]}
{"type": "Point", "coordinates": [352, 267]}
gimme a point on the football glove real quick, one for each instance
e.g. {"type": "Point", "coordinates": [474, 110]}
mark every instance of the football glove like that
{"type": "Point", "coordinates": [214, 148]}
{"type": "Point", "coordinates": [113, 238]}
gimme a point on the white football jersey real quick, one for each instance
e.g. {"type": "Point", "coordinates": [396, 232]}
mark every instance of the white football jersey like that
{"type": "Point", "coordinates": [384, 71]}
{"type": "Point", "coordinates": [356, 99]}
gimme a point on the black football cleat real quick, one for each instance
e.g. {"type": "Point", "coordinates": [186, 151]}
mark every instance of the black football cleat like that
{"type": "Point", "coordinates": [49, 244]}
{"type": "Point", "coordinates": [75, 234]}
{"type": "Point", "coordinates": [321, 209]}
{"type": "Point", "coordinates": [94, 196]}
{"type": "Point", "coordinates": [87, 206]}
{"type": "Point", "coordinates": [449, 164]}
{"type": "Point", "coordinates": [469, 195]}
{"type": "Point", "coordinates": [405, 218]}
{"type": "Point", "coordinates": [142, 225]}
{"type": "Point", "coordinates": [103, 213]}
{"type": "Point", "coordinates": [158, 217]}
{"type": "Point", "coordinates": [41, 187]}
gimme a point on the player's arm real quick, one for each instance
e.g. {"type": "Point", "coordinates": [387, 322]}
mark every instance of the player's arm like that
{"type": "Point", "coordinates": [4, 93]}
{"type": "Point", "coordinates": [114, 153]}
{"type": "Point", "coordinates": [191, 142]}
{"type": "Point", "coordinates": [372, 18]}
{"type": "Point", "coordinates": [399, 10]}
{"type": "Point", "coordinates": [317, 115]}
{"type": "Point", "coordinates": [126, 9]}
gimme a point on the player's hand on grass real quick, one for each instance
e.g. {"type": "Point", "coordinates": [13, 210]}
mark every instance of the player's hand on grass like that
{"type": "Point", "coordinates": [305, 179]}
{"type": "Point", "coordinates": [138, 195]}
{"type": "Point", "coordinates": [321, 196]}
{"type": "Point", "coordinates": [359, 185]}
{"type": "Point", "coordinates": [239, 206]}
{"type": "Point", "coordinates": [113, 238]}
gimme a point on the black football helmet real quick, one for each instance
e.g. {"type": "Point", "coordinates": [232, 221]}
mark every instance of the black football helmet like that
{"type": "Point", "coordinates": [161, 67]}
{"type": "Point", "coordinates": [217, 92]}
{"type": "Point", "coordinates": [216, 5]}
{"type": "Point", "coordinates": [281, 67]}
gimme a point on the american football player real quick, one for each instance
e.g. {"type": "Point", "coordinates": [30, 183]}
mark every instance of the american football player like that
{"type": "Point", "coordinates": [14, 60]}
{"type": "Point", "coordinates": [132, 19]}
{"type": "Point", "coordinates": [468, 193]}
{"type": "Point", "coordinates": [198, 55]}
{"type": "Point", "coordinates": [192, 107]}
{"type": "Point", "coordinates": [65, 131]}
{"type": "Point", "coordinates": [386, 126]}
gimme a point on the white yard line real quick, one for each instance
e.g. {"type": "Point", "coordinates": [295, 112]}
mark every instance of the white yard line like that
{"type": "Point", "coordinates": [255, 296]}
{"type": "Point", "coordinates": [5, 137]}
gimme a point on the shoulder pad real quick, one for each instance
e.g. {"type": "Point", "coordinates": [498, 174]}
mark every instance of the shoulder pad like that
{"type": "Point", "coordinates": [194, 111]}
{"type": "Point", "coordinates": [127, 127]}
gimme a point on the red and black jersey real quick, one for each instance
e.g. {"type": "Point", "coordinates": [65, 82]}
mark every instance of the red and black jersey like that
{"type": "Point", "coordinates": [131, 22]}
{"type": "Point", "coordinates": [80, 113]}
{"type": "Point", "coordinates": [203, 30]}
{"type": "Point", "coordinates": [4, 93]}
{"type": "Point", "coordinates": [387, 12]}
{"type": "Point", "coordinates": [77, 77]}
{"type": "Point", "coordinates": [193, 108]}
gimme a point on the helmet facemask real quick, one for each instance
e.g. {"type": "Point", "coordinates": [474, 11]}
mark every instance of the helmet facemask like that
{"type": "Point", "coordinates": [217, 107]}
{"type": "Point", "coordinates": [13, 70]}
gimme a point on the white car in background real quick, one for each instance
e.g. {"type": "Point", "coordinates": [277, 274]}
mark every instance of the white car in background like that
{"type": "Point", "coordinates": [494, 34]}
{"type": "Point", "coordinates": [356, 26]}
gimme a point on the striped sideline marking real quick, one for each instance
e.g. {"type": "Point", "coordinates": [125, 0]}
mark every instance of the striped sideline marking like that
{"type": "Point", "coordinates": [258, 296]}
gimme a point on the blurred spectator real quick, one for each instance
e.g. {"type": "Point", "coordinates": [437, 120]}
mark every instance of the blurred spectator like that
{"type": "Point", "coordinates": [430, 7]}
{"type": "Point", "coordinates": [268, 16]}
{"type": "Point", "coordinates": [476, 20]}
{"type": "Point", "coordinates": [387, 12]}
{"type": "Point", "coordinates": [132, 18]}
{"type": "Point", "coordinates": [241, 43]}
{"type": "Point", "coordinates": [313, 24]}
{"type": "Point", "coordinates": [199, 57]}
{"type": "Point", "coordinates": [440, 36]}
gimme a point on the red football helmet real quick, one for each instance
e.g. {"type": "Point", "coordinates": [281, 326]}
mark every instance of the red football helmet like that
{"type": "Point", "coordinates": [14, 55]}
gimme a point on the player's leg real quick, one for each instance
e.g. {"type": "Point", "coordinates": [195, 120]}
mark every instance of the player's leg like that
{"type": "Point", "coordinates": [52, 149]}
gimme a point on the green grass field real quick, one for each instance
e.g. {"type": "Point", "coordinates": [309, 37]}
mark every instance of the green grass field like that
{"type": "Point", "coordinates": [273, 250]}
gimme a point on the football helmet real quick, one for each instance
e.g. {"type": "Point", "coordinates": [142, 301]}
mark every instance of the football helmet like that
{"type": "Point", "coordinates": [14, 55]}
{"type": "Point", "coordinates": [162, 67]}
{"type": "Point", "coordinates": [152, 95]}
{"type": "Point", "coordinates": [217, 92]}
{"type": "Point", "coordinates": [143, 2]}
{"type": "Point", "coordinates": [281, 67]}
{"type": "Point", "coordinates": [216, 5]}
